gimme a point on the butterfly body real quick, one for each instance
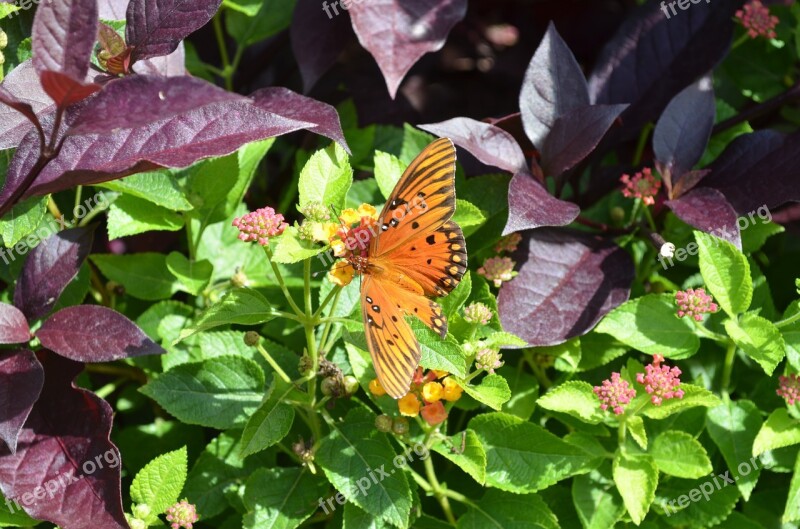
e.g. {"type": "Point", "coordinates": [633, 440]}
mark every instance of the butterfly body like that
{"type": "Point", "coordinates": [414, 252]}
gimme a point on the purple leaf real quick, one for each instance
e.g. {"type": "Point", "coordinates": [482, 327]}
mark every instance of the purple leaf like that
{"type": "Point", "coordinates": [317, 39]}
{"type": "Point", "coordinates": [63, 34]}
{"type": "Point", "coordinates": [398, 32]}
{"type": "Point", "coordinates": [708, 210]}
{"type": "Point", "coordinates": [554, 84]}
{"type": "Point", "coordinates": [172, 65]}
{"type": "Point", "coordinates": [283, 102]}
{"type": "Point", "coordinates": [91, 333]}
{"type": "Point", "coordinates": [652, 58]}
{"type": "Point", "coordinates": [574, 135]}
{"type": "Point", "coordinates": [683, 130]}
{"type": "Point", "coordinates": [156, 27]}
{"type": "Point", "coordinates": [758, 169]}
{"type": "Point", "coordinates": [488, 143]}
{"type": "Point", "coordinates": [64, 449]}
{"type": "Point", "coordinates": [23, 85]}
{"type": "Point", "coordinates": [112, 9]}
{"type": "Point", "coordinates": [13, 325]}
{"type": "Point", "coordinates": [531, 206]}
{"type": "Point", "coordinates": [64, 90]}
{"type": "Point", "coordinates": [567, 283]}
{"type": "Point", "coordinates": [21, 380]}
{"type": "Point", "coordinates": [49, 269]}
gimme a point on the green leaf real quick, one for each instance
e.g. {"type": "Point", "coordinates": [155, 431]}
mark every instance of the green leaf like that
{"type": "Point", "coordinates": [649, 324]}
{"type": "Point", "coordinates": [219, 393]}
{"type": "Point", "coordinates": [144, 275]}
{"type": "Point", "coordinates": [272, 420]}
{"type": "Point", "coordinates": [636, 477]}
{"type": "Point", "coordinates": [388, 170]}
{"type": "Point", "coordinates": [597, 502]}
{"type": "Point", "coordinates": [453, 302]}
{"type": "Point", "coordinates": [413, 142]}
{"type": "Point", "coordinates": [756, 234]}
{"type": "Point", "coordinates": [500, 510]}
{"type": "Point", "coordinates": [792, 511]}
{"type": "Point", "coordinates": [637, 431]}
{"type": "Point", "coordinates": [759, 339]}
{"type": "Point", "coordinates": [692, 396]}
{"type": "Point", "coordinates": [500, 340]}
{"type": "Point", "coordinates": [10, 516]}
{"type": "Point", "coordinates": [697, 503]}
{"type": "Point", "coordinates": [679, 454]}
{"type": "Point", "coordinates": [326, 177]}
{"type": "Point", "coordinates": [129, 215]}
{"type": "Point", "coordinates": [7, 9]}
{"type": "Point", "coordinates": [272, 17]}
{"type": "Point", "coordinates": [281, 498]}
{"type": "Point", "coordinates": [23, 220]}
{"type": "Point", "coordinates": [524, 457]}
{"type": "Point", "coordinates": [468, 216]}
{"type": "Point", "coordinates": [158, 187]}
{"type": "Point", "coordinates": [159, 484]}
{"type": "Point", "coordinates": [348, 455]}
{"type": "Point", "coordinates": [492, 391]}
{"type": "Point", "coordinates": [193, 275]}
{"type": "Point", "coordinates": [733, 427]}
{"type": "Point", "coordinates": [605, 348]}
{"type": "Point", "coordinates": [465, 450]}
{"type": "Point", "coordinates": [524, 392]}
{"type": "Point", "coordinates": [292, 249]}
{"type": "Point", "coordinates": [726, 273]}
{"type": "Point", "coordinates": [442, 355]}
{"type": "Point", "coordinates": [780, 430]}
{"type": "Point", "coordinates": [574, 398]}
{"type": "Point", "coordinates": [355, 518]}
{"type": "Point", "coordinates": [241, 306]}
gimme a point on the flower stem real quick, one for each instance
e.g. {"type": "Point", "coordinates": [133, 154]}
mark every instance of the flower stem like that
{"type": "Point", "coordinates": [281, 283]}
{"type": "Point", "coordinates": [637, 157]}
{"type": "Point", "coordinates": [227, 70]}
{"type": "Point", "coordinates": [788, 321]}
{"type": "Point", "coordinates": [730, 356]}
{"type": "Point", "coordinates": [711, 335]}
{"type": "Point", "coordinates": [271, 361]}
{"type": "Point", "coordinates": [439, 491]}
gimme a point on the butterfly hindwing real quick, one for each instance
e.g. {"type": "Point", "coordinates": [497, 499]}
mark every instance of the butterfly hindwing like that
{"type": "Point", "coordinates": [422, 201]}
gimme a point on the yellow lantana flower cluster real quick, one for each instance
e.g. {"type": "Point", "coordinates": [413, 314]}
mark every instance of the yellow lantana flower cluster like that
{"type": "Point", "coordinates": [425, 396]}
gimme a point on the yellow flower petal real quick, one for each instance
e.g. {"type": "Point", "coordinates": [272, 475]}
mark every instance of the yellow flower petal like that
{"type": "Point", "coordinates": [368, 210]}
{"type": "Point", "coordinates": [349, 216]}
{"type": "Point", "coordinates": [341, 273]}
{"type": "Point", "coordinates": [432, 392]}
{"type": "Point", "coordinates": [452, 391]}
{"type": "Point", "coordinates": [375, 388]}
{"type": "Point", "coordinates": [409, 405]}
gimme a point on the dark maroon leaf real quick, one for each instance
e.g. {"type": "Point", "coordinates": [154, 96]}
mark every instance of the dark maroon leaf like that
{"type": "Point", "coordinates": [683, 130]}
{"type": "Point", "coordinates": [63, 34]}
{"type": "Point", "coordinates": [49, 269]}
{"type": "Point", "coordinates": [13, 325]}
{"type": "Point", "coordinates": [398, 32]}
{"type": "Point", "coordinates": [488, 143]}
{"type": "Point", "coordinates": [567, 282]}
{"type": "Point", "coordinates": [574, 135]}
{"type": "Point", "coordinates": [65, 470]}
{"type": "Point", "coordinates": [531, 206]}
{"type": "Point", "coordinates": [21, 380]}
{"type": "Point", "coordinates": [283, 102]}
{"type": "Point", "coordinates": [758, 169]}
{"type": "Point", "coordinates": [91, 333]}
{"type": "Point", "coordinates": [708, 210]}
{"type": "Point", "coordinates": [64, 90]}
{"type": "Point", "coordinates": [156, 27]}
{"type": "Point", "coordinates": [10, 100]}
{"type": "Point", "coordinates": [23, 85]}
{"type": "Point", "coordinates": [652, 58]}
{"type": "Point", "coordinates": [317, 39]}
{"type": "Point", "coordinates": [554, 84]}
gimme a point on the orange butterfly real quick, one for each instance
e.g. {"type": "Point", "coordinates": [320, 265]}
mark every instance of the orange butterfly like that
{"type": "Point", "coordinates": [416, 252]}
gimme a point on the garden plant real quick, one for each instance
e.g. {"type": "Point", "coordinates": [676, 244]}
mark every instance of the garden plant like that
{"type": "Point", "coordinates": [372, 264]}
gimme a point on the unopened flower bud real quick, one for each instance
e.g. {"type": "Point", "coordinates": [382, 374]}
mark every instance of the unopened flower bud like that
{"type": "Point", "coordinates": [400, 426]}
{"type": "Point", "coordinates": [350, 384]}
{"type": "Point", "coordinates": [305, 365]}
{"type": "Point", "coordinates": [251, 338]}
{"type": "Point", "coordinates": [141, 511]}
{"type": "Point", "coordinates": [617, 215]}
{"type": "Point", "coordinates": [239, 279]}
{"type": "Point", "coordinates": [331, 387]}
{"type": "Point", "coordinates": [136, 523]}
{"type": "Point", "coordinates": [182, 515]}
{"type": "Point", "coordinates": [383, 423]}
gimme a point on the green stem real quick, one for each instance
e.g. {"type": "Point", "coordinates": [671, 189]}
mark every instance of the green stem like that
{"type": "Point", "coordinates": [788, 321]}
{"type": "Point", "coordinates": [649, 217]}
{"type": "Point", "coordinates": [332, 295]}
{"type": "Point", "coordinates": [730, 356]}
{"type": "Point", "coordinates": [90, 215]}
{"type": "Point", "coordinates": [711, 335]}
{"type": "Point", "coordinates": [741, 40]}
{"type": "Point", "coordinates": [438, 491]}
{"type": "Point", "coordinates": [329, 325]}
{"type": "Point", "coordinates": [227, 70]}
{"type": "Point", "coordinates": [281, 283]}
{"type": "Point", "coordinates": [623, 428]}
{"type": "Point", "coordinates": [110, 388]}
{"type": "Point", "coordinates": [637, 157]}
{"type": "Point", "coordinates": [78, 193]}
{"type": "Point", "coordinates": [271, 361]}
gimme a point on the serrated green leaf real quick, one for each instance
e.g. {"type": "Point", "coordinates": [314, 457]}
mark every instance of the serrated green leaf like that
{"type": "Point", "coordinates": [388, 170]}
{"type": "Point", "coordinates": [292, 249]}
{"type": "Point", "coordinates": [468, 216]}
{"type": "Point", "coordinates": [241, 306]}
{"type": "Point", "coordinates": [492, 391]}
{"type": "Point", "coordinates": [465, 450]}
{"type": "Point", "coordinates": [733, 427]}
{"type": "Point", "coordinates": [756, 234]}
{"type": "Point", "coordinates": [692, 396]}
{"type": "Point", "coordinates": [649, 324]}
{"type": "Point", "coordinates": [272, 420]}
{"type": "Point", "coordinates": [574, 398]}
{"type": "Point", "coordinates": [271, 16]}
{"type": "Point", "coordinates": [219, 393]}
{"type": "Point", "coordinates": [759, 339]}
{"type": "Point", "coordinates": [23, 220]}
{"type": "Point", "coordinates": [129, 215]}
{"type": "Point", "coordinates": [686, 505]}
{"type": "Point", "coordinates": [193, 275]}
{"type": "Point", "coordinates": [144, 275]}
{"type": "Point", "coordinates": [792, 511]}
{"type": "Point", "coordinates": [499, 340]}
{"type": "Point", "coordinates": [679, 454]}
{"type": "Point", "coordinates": [453, 302]}
{"type": "Point", "coordinates": [523, 457]}
{"type": "Point", "coordinates": [159, 484]}
{"type": "Point", "coordinates": [637, 431]}
{"type": "Point", "coordinates": [778, 431]}
{"type": "Point", "coordinates": [326, 177]}
{"type": "Point", "coordinates": [636, 477]}
{"type": "Point", "coordinates": [503, 510]}
{"type": "Point", "coordinates": [413, 142]}
{"type": "Point", "coordinates": [352, 450]}
{"type": "Point", "coordinates": [726, 273]}
{"type": "Point", "coordinates": [442, 355]}
{"type": "Point", "coordinates": [281, 498]}
{"type": "Point", "coordinates": [158, 187]}
{"type": "Point", "coordinates": [597, 502]}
